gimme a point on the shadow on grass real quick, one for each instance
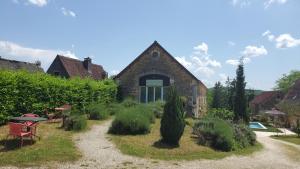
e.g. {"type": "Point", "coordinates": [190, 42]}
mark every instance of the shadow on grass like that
{"type": "Point", "coordinates": [14, 144]}
{"type": "Point", "coordinates": [161, 145]}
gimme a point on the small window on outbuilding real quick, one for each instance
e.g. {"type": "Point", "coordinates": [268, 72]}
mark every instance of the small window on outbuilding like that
{"type": "Point", "coordinates": [155, 54]}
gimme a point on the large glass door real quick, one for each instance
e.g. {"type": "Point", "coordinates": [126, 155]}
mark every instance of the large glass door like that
{"type": "Point", "coordinates": [151, 93]}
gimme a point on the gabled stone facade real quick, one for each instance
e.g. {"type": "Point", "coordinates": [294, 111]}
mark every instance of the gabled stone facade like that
{"type": "Point", "coordinates": [156, 68]}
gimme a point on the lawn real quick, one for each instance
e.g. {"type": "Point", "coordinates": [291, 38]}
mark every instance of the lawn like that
{"type": "Point", "coordinates": [55, 145]}
{"type": "Point", "coordinates": [288, 138]}
{"type": "Point", "coordinates": [148, 146]}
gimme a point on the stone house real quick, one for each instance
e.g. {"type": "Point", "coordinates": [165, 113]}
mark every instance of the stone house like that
{"type": "Point", "coordinates": [265, 101]}
{"type": "Point", "coordinates": [18, 65]}
{"type": "Point", "coordinates": [149, 76]}
{"type": "Point", "coordinates": [68, 68]}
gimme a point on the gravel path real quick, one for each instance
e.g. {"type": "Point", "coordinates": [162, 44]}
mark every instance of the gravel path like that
{"type": "Point", "coordinates": [99, 152]}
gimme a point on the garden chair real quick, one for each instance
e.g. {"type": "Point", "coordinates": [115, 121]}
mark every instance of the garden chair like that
{"type": "Point", "coordinates": [19, 130]}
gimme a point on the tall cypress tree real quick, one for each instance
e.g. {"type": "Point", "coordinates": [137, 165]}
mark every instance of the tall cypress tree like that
{"type": "Point", "coordinates": [239, 108]}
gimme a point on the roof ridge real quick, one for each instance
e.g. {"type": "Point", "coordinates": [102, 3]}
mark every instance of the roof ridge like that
{"type": "Point", "coordinates": [171, 56]}
{"type": "Point", "coordinates": [65, 57]}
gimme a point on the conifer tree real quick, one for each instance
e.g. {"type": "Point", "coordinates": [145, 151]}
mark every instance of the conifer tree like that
{"type": "Point", "coordinates": [172, 121]}
{"type": "Point", "coordinates": [240, 107]}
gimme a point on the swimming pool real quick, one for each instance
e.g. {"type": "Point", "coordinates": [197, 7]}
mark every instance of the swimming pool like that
{"type": "Point", "coordinates": [256, 125]}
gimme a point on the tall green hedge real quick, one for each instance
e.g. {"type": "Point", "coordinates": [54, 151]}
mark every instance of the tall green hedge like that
{"type": "Point", "coordinates": [23, 92]}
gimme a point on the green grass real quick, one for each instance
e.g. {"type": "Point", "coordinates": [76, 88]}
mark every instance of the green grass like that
{"type": "Point", "coordinates": [55, 145]}
{"type": "Point", "coordinates": [288, 138]}
{"type": "Point", "coordinates": [148, 146]}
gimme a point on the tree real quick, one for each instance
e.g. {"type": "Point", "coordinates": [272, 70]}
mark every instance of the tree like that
{"type": "Point", "coordinates": [297, 129]}
{"type": "Point", "coordinates": [240, 107]}
{"type": "Point", "coordinates": [230, 85]}
{"type": "Point", "coordinates": [217, 96]}
{"type": "Point", "coordinates": [287, 81]}
{"type": "Point", "coordinates": [172, 121]}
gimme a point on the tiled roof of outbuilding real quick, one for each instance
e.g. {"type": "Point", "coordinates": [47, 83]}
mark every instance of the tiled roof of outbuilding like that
{"type": "Point", "coordinates": [75, 68]}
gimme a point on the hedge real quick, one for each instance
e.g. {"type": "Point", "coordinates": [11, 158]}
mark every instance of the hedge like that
{"type": "Point", "coordinates": [23, 92]}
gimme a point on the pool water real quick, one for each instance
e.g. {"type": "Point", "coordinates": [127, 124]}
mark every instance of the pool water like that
{"type": "Point", "coordinates": [256, 125]}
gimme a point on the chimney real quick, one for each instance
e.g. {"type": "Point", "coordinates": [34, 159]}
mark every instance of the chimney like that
{"type": "Point", "coordinates": [87, 63]}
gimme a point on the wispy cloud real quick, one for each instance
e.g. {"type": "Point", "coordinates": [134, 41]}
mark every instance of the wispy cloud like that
{"type": "Point", "coordinates": [240, 3]}
{"type": "Point", "coordinates": [282, 41]}
{"type": "Point", "coordinates": [68, 12]}
{"type": "Point", "coordinates": [268, 3]}
{"type": "Point", "coordinates": [231, 43]}
{"type": "Point", "coordinates": [38, 3]}
{"type": "Point", "coordinates": [247, 54]}
{"type": "Point", "coordinates": [15, 51]}
{"type": "Point", "coordinates": [200, 62]}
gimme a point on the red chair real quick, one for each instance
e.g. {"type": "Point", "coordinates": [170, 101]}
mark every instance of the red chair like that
{"type": "Point", "coordinates": [19, 130]}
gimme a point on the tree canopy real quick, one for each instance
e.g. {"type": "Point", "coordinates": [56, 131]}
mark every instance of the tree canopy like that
{"type": "Point", "coordinates": [287, 80]}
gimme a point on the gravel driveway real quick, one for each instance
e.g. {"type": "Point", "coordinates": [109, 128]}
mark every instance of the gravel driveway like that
{"type": "Point", "coordinates": [99, 152]}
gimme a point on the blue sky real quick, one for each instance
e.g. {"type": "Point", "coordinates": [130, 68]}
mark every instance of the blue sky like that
{"type": "Point", "coordinates": [208, 37]}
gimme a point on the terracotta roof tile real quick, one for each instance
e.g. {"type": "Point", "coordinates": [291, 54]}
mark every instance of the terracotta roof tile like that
{"type": "Point", "coordinates": [75, 68]}
{"type": "Point", "coordinates": [265, 96]}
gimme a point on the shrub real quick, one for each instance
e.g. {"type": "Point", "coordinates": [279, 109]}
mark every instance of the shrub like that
{"type": "Point", "coordinates": [216, 133]}
{"type": "Point", "coordinates": [221, 113]}
{"type": "Point", "coordinates": [76, 120]}
{"type": "Point", "coordinates": [223, 135]}
{"type": "Point", "coordinates": [23, 92]}
{"type": "Point", "coordinates": [157, 108]}
{"type": "Point", "coordinates": [79, 122]}
{"type": "Point", "coordinates": [97, 111]}
{"type": "Point", "coordinates": [172, 121]}
{"type": "Point", "coordinates": [297, 127]}
{"type": "Point", "coordinates": [131, 120]}
{"type": "Point", "coordinates": [114, 108]}
{"type": "Point", "coordinates": [243, 136]}
{"type": "Point", "coordinates": [129, 102]}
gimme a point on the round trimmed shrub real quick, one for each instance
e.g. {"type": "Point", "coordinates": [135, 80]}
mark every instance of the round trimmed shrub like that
{"type": "Point", "coordinates": [97, 111]}
{"type": "Point", "coordinates": [130, 121]}
{"type": "Point", "coordinates": [216, 133]}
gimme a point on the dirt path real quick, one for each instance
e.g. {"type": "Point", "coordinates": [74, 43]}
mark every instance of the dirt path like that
{"type": "Point", "coordinates": [99, 152]}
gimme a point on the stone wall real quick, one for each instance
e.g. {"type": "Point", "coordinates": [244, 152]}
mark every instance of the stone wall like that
{"type": "Point", "coordinates": [165, 65]}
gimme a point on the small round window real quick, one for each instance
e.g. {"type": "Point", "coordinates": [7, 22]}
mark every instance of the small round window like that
{"type": "Point", "coordinates": [155, 54]}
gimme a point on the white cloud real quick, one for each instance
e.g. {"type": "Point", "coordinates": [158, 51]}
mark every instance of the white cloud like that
{"type": "Point", "coordinates": [248, 53]}
{"type": "Point", "coordinates": [268, 3]}
{"type": "Point", "coordinates": [202, 48]}
{"type": "Point", "coordinates": [234, 62]}
{"type": "Point", "coordinates": [254, 51]}
{"type": "Point", "coordinates": [67, 12]}
{"type": "Point", "coordinates": [269, 35]}
{"type": "Point", "coordinates": [200, 62]}
{"type": "Point", "coordinates": [286, 41]}
{"type": "Point", "coordinates": [114, 72]}
{"type": "Point", "coordinates": [15, 51]}
{"type": "Point", "coordinates": [282, 41]}
{"type": "Point", "coordinates": [39, 3]}
{"type": "Point", "coordinates": [223, 77]}
{"type": "Point", "coordinates": [230, 43]}
{"type": "Point", "coordinates": [184, 62]}
{"type": "Point", "coordinates": [241, 3]}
